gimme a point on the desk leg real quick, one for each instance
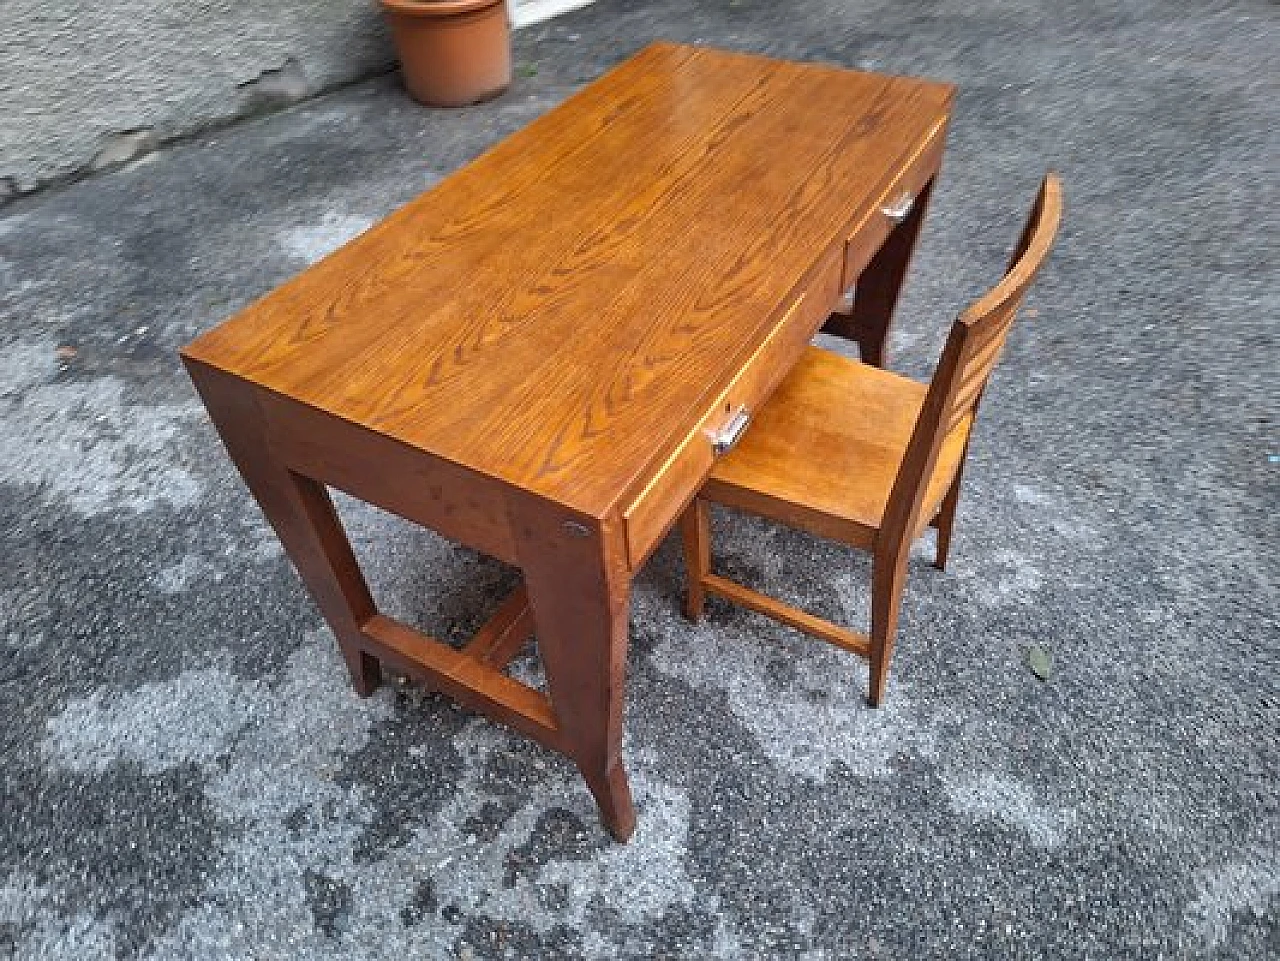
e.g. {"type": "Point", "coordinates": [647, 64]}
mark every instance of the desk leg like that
{"type": "Point", "coordinates": [878, 287]}
{"type": "Point", "coordinates": [579, 589]}
{"type": "Point", "coordinates": [303, 517]}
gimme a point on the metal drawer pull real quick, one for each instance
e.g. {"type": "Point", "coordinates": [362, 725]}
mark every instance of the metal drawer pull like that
{"type": "Point", "coordinates": [730, 432]}
{"type": "Point", "coordinates": [897, 210]}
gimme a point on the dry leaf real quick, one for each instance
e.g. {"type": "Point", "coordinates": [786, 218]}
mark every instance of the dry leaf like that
{"type": "Point", "coordinates": [1040, 662]}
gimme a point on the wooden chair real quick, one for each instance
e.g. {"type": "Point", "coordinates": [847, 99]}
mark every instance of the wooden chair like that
{"type": "Point", "coordinates": [857, 454]}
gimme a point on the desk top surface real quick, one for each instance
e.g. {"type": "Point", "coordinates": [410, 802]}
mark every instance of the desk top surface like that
{"type": "Point", "coordinates": [557, 312]}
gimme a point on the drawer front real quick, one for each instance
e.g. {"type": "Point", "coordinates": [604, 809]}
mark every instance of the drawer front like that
{"type": "Point", "coordinates": [890, 209]}
{"type": "Point", "coordinates": [653, 511]}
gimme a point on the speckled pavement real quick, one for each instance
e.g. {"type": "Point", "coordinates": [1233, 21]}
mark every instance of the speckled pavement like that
{"type": "Point", "coordinates": [185, 773]}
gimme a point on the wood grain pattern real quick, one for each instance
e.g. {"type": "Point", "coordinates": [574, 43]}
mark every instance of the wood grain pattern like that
{"type": "Point", "coordinates": [458, 503]}
{"type": "Point", "coordinates": [851, 452]}
{"type": "Point", "coordinates": [826, 450]}
{"type": "Point", "coordinates": [526, 358]}
{"type": "Point", "coordinates": [607, 227]}
{"type": "Point", "coordinates": [830, 444]}
{"type": "Point", "coordinates": [652, 511]}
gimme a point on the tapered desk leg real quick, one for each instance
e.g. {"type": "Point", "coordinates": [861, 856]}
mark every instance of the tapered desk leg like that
{"type": "Point", "coordinates": [579, 590]}
{"type": "Point", "coordinates": [303, 517]}
{"type": "Point", "coordinates": [878, 287]}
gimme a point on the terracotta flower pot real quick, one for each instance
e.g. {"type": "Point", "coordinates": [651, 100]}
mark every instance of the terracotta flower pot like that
{"type": "Point", "coordinates": [452, 52]}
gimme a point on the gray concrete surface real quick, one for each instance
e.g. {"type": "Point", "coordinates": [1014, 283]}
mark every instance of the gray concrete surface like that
{"type": "Point", "coordinates": [185, 774]}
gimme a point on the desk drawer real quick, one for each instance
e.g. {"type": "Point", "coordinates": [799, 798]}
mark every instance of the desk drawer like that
{"type": "Point", "coordinates": [893, 206]}
{"type": "Point", "coordinates": [656, 507]}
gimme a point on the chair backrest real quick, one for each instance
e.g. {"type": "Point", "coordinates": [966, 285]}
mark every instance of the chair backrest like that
{"type": "Point", "coordinates": [973, 347]}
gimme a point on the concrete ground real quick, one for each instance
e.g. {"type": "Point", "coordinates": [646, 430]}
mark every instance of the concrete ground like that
{"type": "Point", "coordinates": [186, 774]}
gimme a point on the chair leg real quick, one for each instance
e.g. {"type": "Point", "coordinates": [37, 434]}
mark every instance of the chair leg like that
{"type": "Point", "coordinates": [888, 578]}
{"type": "Point", "coordinates": [944, 521]}
{"type": "Point", "coordinates": [695, 532]}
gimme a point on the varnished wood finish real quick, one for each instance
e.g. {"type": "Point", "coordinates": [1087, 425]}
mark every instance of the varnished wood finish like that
{"type": "Point", "coordinates": [505, 633]}
{"type": "Point", "coordinates": [824, 453]}
{"type": "Point", "coordinates": [658, 222]}
{"type": "Point", "coordinates": [579, 588]}
{"type": "Point", "coordinates": [695, 534]}
{"type": "Point", "coordinates": [532, 357]}
{"type": "Point", "coordinates": [858, 454]}
{"type": "Point", "coordinates": [851, 641]}
{"type": "Point", "coordinates": [469, 680]}
{"type": "Point", "coordinates": [302, 514]}
{"type": "Point", "coordinates": [653, 510]}
{"type": "Point", "coordinates": [429, 490]}
{"type": "Point", "coordinates": [878, 252]}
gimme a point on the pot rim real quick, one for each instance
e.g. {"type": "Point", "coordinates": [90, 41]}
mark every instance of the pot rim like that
{"type": "Point", "coordinates": [437, 8]}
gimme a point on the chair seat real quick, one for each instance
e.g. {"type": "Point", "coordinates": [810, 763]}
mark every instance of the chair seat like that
{"type": "Point", "coordinates": [825, 450]}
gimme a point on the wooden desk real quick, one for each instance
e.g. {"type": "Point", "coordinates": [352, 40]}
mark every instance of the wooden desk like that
{"type": "Point", "coordinates": [531, 358]}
